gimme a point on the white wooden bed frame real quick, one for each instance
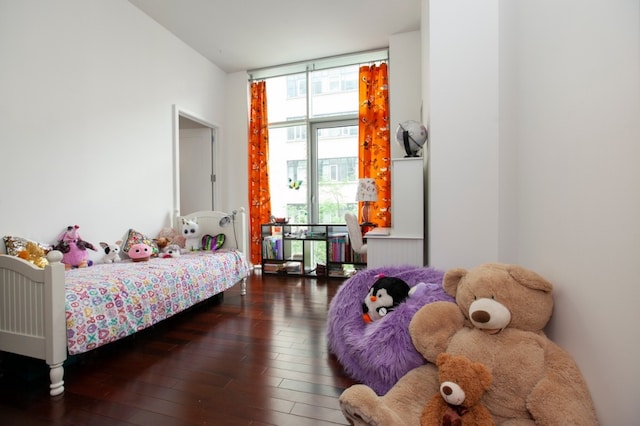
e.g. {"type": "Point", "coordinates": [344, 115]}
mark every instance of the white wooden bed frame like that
{"type": "Point", "coordinates": [32, 300]}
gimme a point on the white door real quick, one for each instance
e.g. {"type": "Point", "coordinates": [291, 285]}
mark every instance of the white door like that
{"type": "Point", "coordinates": [196, 169]}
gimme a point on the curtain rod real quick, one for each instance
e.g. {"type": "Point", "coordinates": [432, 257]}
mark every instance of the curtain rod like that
{"type": "Point", "coordinates": [374, 55]}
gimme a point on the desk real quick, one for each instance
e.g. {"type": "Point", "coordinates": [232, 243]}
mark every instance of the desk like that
{"type": "Point", "coordinates": [386, 247]}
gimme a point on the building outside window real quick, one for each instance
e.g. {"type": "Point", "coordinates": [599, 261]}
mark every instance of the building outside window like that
{"type": "Point", "coordinates": [313, 136]}
{"type": "Point", "coordinates": [313, 144]}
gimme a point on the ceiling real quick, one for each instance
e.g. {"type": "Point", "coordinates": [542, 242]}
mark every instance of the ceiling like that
{"type": "Point", "coordinates": [244, 35]}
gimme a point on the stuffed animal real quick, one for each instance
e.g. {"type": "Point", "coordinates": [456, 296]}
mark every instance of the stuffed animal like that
{"type": "Point", "coordinates": [111, 252]}
{"type": "Point", "coordinates": [191, 233]}
{"type": "Point", "coordinates": [74, 248]}
{"type": "Point", "coordinates": [140, 252]}
{"type": "Point", "coordinates": [171, 251]}
{"type": "Point", "coordinates": [462, 384]}
{"type": "Point", "coordinates": [169, 236]}
{"type": "Point", "coordinates": [162, 242]}
{"type": "Point", "coordinates": [384, 295]}
{"type": "Point", "coordinates": [212, 242]}
{"type": "Point", "coordinates": [35, 254]}
{"type": "Point", "coordinates": [497, 320]}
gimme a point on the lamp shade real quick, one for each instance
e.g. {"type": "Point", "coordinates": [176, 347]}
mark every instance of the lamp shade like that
{"type": "Point", "coordinates": [367, 190]}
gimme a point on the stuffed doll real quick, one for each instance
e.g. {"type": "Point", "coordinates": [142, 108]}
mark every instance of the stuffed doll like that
{"type": "Point", "coordinates": [383, 296]}
{"type": "Point", "coordinates": [191, 232]}
{"type": "Point", "coordinates": [111, 252]}
{"type": "Point", "coordinates": [74, 248]}
{"type": "Point", "coordinates": [171, 251]}
{"type": "Point", "coordinates": [140, 252]}
{"type": "Point", "coordinates": [462, 384]}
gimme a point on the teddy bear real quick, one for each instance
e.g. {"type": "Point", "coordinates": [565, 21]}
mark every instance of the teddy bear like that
{"type": "Point", "coordinates": [168, 236]}
{"type": "Point", "coordinates": [162, 242]}
{"type": "Point", "coordinates": [497, 320]}
{"type": "Point", "coordinates": [35, 254]}
{"type": "Point", "coordinates": [462, 384]}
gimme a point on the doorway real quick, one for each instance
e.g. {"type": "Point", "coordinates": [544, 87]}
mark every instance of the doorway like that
{"type": "Point", "coordinates": [195, 160]}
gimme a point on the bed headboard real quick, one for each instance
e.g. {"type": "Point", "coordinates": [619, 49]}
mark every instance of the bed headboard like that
{"type": "Point", "coordinates": [233, 225]}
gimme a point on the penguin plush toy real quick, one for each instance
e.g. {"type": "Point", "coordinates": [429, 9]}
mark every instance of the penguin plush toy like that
{"type": "Point", "coordinates": [383, 296]}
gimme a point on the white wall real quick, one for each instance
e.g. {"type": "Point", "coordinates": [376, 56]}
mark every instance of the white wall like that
{"type": "Point", "coordinates": [405, 87]}
{"type": "Point", "coordinates": [236, 150]}
{"type": "Point", "coordinates": [86, 117]}
{"type": "Point", "coordinates": [559, 180]}
{"type": "Point", "coordinates": [464, 143]}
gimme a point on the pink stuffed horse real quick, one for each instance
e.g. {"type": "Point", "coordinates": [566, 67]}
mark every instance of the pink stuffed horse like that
{"type": "Point", "coordinates": [74, 248]}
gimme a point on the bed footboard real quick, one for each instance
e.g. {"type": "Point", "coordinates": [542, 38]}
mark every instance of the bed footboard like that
{"type": "Point", "coordinates": [32, 313]}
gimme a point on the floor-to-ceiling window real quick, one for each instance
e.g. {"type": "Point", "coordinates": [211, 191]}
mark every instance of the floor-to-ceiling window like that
{"type": "Point", "coordinates": [313, 140]}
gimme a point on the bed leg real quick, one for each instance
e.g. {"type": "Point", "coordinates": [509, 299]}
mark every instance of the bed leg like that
{"type": "Point", "coordinates": [56, 373]}
{"type": "Point", "coordinates": [243, 287]}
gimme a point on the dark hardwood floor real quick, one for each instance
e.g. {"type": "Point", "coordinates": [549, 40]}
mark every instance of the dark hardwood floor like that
{"type": "Point", "coordinates": [259, 359]}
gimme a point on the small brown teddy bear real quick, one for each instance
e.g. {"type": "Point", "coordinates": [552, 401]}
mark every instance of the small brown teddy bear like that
{"type": "Point", "coordinates": [34, 254]}
{"type": "Point", "coordinates": [168, 236]}
{"type": "Point", "coordinates": [162, 242]}
{"type": "Point", "coordinates": [462, 384]}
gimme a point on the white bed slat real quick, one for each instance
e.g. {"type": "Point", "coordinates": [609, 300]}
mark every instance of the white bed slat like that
{"type": "Point", "coordinates": [22, 305]}
{"type": "Point", "coordinates": [32, 317]}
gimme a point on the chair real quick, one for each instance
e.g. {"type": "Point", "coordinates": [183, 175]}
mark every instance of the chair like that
{"type": "Point", "coordinates": [355, 234]}
{"type": "Point", "coordinates": [380, 353]}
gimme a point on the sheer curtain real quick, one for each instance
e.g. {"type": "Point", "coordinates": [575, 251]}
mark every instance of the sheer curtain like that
{"type": "Point", "coordinates": [374, 152]}
{"type": "Point", "coordinates": [259, 194]}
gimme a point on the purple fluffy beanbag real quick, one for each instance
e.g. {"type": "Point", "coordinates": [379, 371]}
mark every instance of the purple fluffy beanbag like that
{"type": "Point", "coordinates": [379, 353]}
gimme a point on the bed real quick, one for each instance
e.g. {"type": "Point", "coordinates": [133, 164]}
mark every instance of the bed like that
{"type": "Point", "coordinates": [51, 313]}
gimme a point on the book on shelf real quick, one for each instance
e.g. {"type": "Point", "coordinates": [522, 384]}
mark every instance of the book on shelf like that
{"type": "Point", "coordinates": [293, 267]}
{"type": "Point", "coordinates": [339, 247]}
{"type": "Point", "coordinates": [286, 267]}
{"type": "Point", "coordinates": [343, 270]}
{"type": "Point", "coordinates": [340, 250]}
{"type": "Point", "coordinates": [272, 248]}
{"type": "Point", "coordinates": [273, 267]}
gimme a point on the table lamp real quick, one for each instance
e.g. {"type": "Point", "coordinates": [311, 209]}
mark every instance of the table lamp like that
{"type": "Point", "coordinates": [367, 192]}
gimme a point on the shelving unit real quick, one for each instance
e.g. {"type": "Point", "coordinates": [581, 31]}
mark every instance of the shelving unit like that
{"type": "Point", "coordinates": [309, 250]}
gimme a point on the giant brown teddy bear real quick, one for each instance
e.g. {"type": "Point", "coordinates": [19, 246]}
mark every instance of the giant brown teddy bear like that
{"type": "Point", "coordinates": [497, 320]}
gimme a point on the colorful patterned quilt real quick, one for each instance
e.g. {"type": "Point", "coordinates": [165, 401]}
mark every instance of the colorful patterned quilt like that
{"type": "Point", "coordinates": [107, 302]}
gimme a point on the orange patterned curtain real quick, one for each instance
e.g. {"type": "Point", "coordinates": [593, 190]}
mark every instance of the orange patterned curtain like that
{"type": "Point", "coordinates": [259, 195]}
{"type": "Point", "coordinates": [374, 152]}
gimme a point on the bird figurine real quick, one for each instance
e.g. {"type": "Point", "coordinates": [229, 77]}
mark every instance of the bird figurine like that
{"type": "Point", "coordinates": [295, 184]}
